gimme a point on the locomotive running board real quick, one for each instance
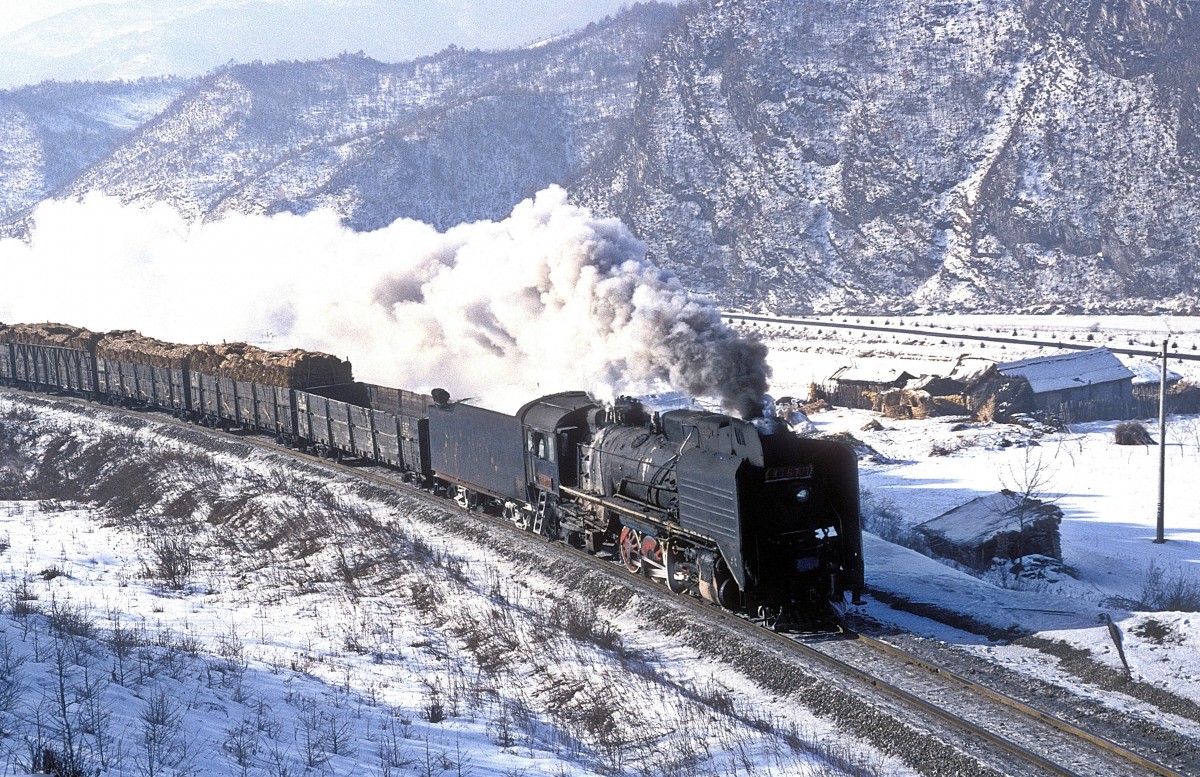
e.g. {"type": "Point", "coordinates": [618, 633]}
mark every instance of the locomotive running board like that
{"type": "Point", "coordinates": [630, 510]}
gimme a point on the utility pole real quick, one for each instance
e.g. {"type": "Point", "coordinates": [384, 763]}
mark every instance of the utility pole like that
{"type": "Point", "coordinates": [1162, 443]}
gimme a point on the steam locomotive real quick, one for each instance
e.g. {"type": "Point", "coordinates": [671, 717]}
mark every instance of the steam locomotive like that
{"type": "Point", "coordinates": [744, 514]}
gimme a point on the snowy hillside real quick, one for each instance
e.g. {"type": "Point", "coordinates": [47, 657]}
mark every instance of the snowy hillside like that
{"type": "Point", "coordinates": [50, 132]}
{"type": "Point", "coordinates": [229, 611]}
{"type": "Point", "coordinates": [976, 155]}
{"type": "Point", "coordinates": [210, 609]}
{"type": "Point", "coordinates": [455, 137]}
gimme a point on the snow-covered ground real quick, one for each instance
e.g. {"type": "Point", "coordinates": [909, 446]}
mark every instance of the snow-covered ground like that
{"type": "Point", "coordinates": [265, 662]}
{"type": "Point", "coordinates": [311, 624]}
{"type": "Point", "coordinates": [1108, 494]}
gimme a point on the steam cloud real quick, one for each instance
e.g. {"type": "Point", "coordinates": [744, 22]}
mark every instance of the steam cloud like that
{"type": "Point", "coordinates": [551, 298]}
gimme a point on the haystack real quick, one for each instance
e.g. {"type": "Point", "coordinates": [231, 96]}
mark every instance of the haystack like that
{"type": "Point", "coordinates": [902, 403]}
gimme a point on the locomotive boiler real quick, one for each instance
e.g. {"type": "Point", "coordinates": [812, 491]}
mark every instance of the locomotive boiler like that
{"type": "Point", "coordinates": [748, 516]}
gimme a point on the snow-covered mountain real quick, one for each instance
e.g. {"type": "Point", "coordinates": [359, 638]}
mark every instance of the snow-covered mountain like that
{"type": "Point", "coordinates": [91, 40]}
{"type": "Point", "coordinates": [49, 132]}
{"type": "Point", "coordinates": [969, 154]}
{"type": "Point", "coordinates": [459, 136]}
{"type": "Point", "coordinates": [796, 156]}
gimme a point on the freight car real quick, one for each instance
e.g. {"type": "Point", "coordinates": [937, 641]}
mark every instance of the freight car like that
{"type": "Point", "coordinates": [743, 514]}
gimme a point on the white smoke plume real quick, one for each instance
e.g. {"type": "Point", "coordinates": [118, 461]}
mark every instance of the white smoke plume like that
{"type": "Point", "coordinates": [549, 299]}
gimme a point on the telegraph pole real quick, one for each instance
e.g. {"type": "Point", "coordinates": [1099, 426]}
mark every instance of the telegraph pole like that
{"type": "Point", "coordinates": [1162, 443]}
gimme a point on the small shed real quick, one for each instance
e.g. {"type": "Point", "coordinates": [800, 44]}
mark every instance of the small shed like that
{"type": "Point", "coordinates": [1147, 376]}
{"type": "Point", "coordinates": [1077, 385]}
{"type": "Point", "coordinates": [1002, 525]}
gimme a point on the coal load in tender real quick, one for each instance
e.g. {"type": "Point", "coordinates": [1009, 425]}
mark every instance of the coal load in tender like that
{"type": "Point", "coordinates": [133, 347]}
{"type": "Point", "coordinates": [294, 368]}
{"type": "Point", "coordinates": [61, 335]}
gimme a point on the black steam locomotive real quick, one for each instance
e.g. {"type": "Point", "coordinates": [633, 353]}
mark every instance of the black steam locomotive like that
{"type": "Point", "coordinates": [743, 514]}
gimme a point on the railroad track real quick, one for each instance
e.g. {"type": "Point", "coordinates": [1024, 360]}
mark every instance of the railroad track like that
{"type": "Point", "coordinates": [1024, 739]}
{"type": "Point", "coordinates": [1021, 738]}
{"type": "Point", "coordinates": [991, 728]}
{"type": "Point", "coordinates": [1028, 733]}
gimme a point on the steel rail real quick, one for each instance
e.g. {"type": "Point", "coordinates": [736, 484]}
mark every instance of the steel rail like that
{"type": "Point", "coordinates": [1052, 720]}
{"type": "Point", "coordinates": [741, 622]}
{"type": "Point", "coordinates": [937, 711]}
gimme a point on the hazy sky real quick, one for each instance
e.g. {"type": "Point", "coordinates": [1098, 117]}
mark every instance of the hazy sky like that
{"type": "Point", "coordinates": [107, 39]}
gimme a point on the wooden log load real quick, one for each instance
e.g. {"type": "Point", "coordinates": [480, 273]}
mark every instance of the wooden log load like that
{"type": "Point", "coordinates": [294, 368]}
{"type": "Point", "coordinates": [60, 335]}
{"type": "Point", "coordinates": [130, 346]}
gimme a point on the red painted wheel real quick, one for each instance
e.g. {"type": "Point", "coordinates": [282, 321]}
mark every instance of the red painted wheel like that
{"type": "Point", "coordinates": [630, 545]}
{"type": "Point", "coordinates": [651, 550]}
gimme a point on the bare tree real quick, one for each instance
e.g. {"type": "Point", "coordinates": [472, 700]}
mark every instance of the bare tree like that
{"type": "Point", "coordinates": [171, 560]}
{"type": "Point", "coordinates": [312, 735]}
{"type": "Point", "coordinates": [241, 745]}
{"type": "Point", "coordinates": [164, 750]}
{"type": "Point", "coordinates": [65, 707]}
{"type": "Point", "coordinates": [11, 686]}
{"type": "Point", "coordinates": [1024, 485]}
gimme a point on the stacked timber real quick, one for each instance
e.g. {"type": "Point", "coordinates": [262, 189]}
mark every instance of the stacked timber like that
{"type": "Point", "coordinates": [294, 368]}
{"type": "Point", "coordinates": [130, 346]}
{"type": "Point", "coordinates": [59, 335]}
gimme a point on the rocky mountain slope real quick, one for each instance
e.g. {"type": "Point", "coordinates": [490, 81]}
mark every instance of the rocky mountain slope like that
{"type": "Point", "coordinates": [977, 155]}
{"type": "Point", "coordinates": [460, 136]}
{"type": "Point", "coordinates": [968, 154]}
{"type": "Point", "coordinates": [50, 132]}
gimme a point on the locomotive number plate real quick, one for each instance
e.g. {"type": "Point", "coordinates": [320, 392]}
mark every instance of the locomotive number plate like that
{"type": "Point", "coordinates": [788, 473]}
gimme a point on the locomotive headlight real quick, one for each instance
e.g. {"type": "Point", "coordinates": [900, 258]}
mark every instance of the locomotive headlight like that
{"type": "Point", "coordinates": [802, 495]}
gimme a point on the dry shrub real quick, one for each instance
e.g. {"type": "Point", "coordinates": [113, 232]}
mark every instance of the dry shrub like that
{"type": "Point", "coordinates": [1132, 433]}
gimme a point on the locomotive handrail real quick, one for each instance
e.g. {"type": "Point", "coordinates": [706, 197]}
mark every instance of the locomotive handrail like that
{"type": "Point", "coordinates": [634, 510]}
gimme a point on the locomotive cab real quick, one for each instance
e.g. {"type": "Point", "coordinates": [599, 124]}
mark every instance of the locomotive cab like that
{"type": "Point", "coordinates": [553, 427]}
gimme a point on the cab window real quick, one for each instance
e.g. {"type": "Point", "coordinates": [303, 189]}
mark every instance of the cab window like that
{"type": "Point", "coordinates": [541, 445]}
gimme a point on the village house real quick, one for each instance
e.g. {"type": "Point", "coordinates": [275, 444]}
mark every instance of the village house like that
{"type": "Point", "coordinates": [1076, 385]}
{"type": "Point", "coordinates": [996, 526]}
